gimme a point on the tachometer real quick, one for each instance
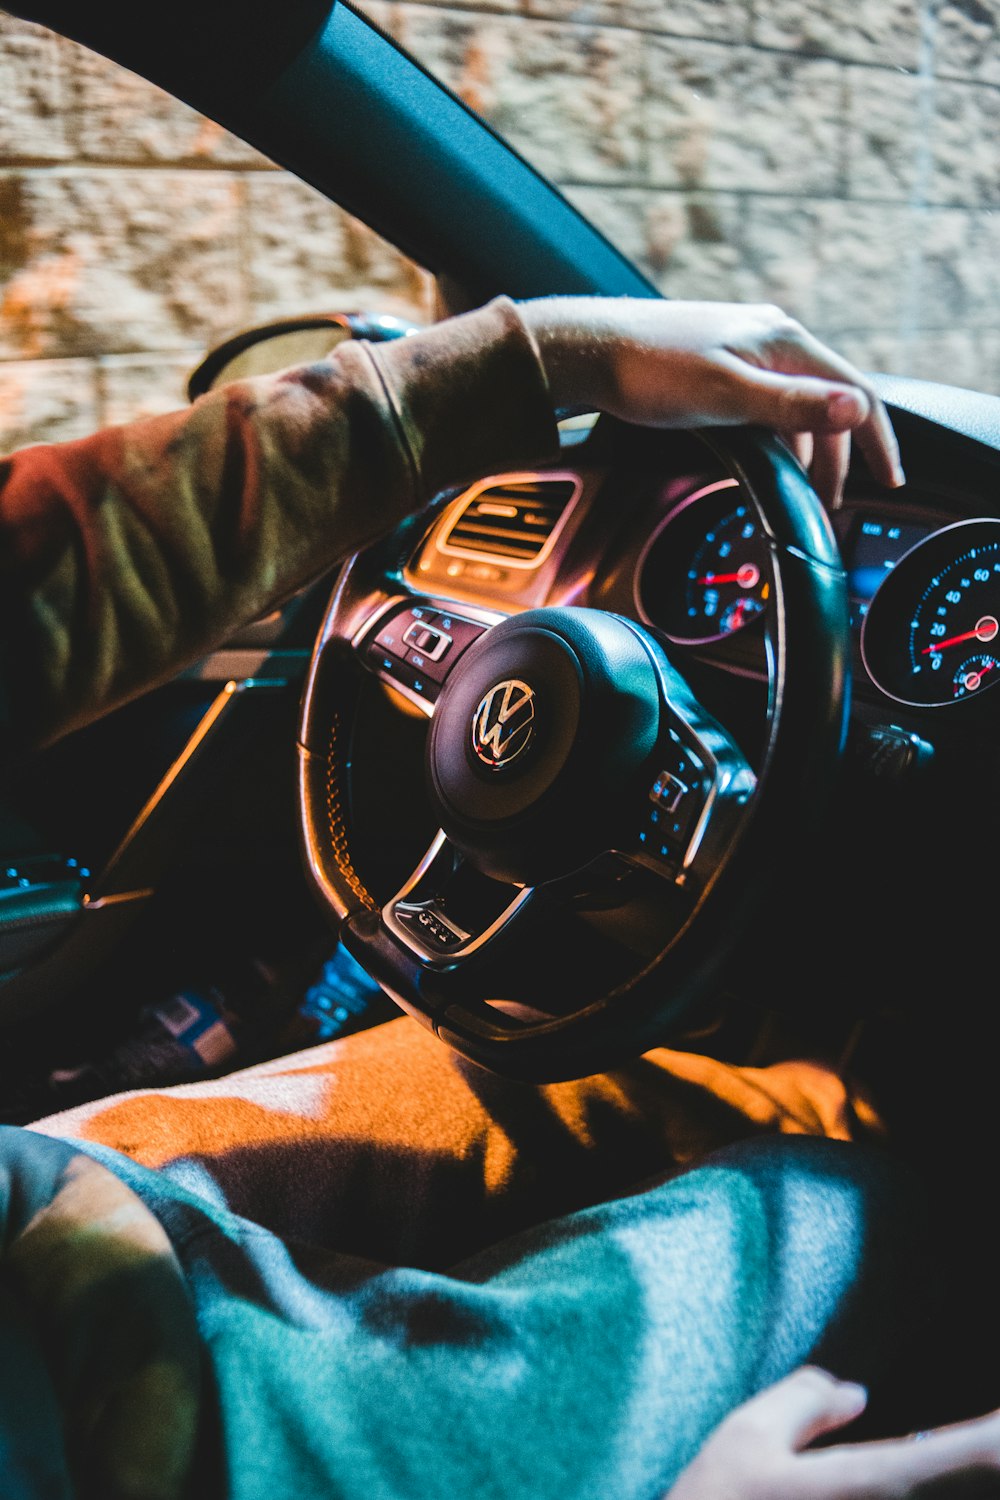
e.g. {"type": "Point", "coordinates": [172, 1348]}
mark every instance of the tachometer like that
{"type": "Point", "coordinates": [932, 632]}
{"type": "Point", "coordinates": [707, 571]}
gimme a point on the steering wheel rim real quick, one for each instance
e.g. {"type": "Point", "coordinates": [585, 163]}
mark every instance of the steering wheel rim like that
{"type": "Point", "coordinates": [808, 708]}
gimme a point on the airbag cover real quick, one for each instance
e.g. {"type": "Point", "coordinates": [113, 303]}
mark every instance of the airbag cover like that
{"type": "Point", "coordinates": [539, 737]}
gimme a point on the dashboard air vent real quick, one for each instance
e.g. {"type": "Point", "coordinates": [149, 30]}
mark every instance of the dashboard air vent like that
{"type": "Point", "coordinates": [513, 518]}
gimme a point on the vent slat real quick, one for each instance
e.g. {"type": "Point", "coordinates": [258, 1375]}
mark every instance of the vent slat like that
{"type": "Point", "coordinates": [512, 521]}
{"type": "Point", "coordinates": [530, 531]}
{"type": "Point", "coordinates": [525, 492]}
{"type": "Point", "coordinates": [534, 506]}
{"type": "Point", "coordinates": [499, 549]}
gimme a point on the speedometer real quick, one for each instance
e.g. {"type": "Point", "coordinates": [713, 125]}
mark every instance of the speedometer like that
{"type": "Point", "coordinates": [932, 632]}
{"type": "Point", "coordinates": [706, 572]}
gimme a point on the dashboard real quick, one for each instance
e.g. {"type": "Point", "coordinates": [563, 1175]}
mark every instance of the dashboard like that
{"type": "Point", "coordinates": [647, 525]}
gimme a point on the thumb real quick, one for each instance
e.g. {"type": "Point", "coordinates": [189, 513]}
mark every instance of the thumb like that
{"type": "Point", "coordinates": [806, 1405]}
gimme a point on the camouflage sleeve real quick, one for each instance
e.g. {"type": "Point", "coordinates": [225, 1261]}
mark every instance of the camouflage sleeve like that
{"type": "Point", "coordinates": [102, 1388]}
{"type": "Point", "coordinates": [127, 555]}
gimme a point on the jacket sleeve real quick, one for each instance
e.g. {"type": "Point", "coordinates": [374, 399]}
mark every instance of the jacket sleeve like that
{"type": "Point", "coordinates": [127, 555]}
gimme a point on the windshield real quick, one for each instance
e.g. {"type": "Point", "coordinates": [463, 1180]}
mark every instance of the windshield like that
{"type": "Point", "coordinates": [838, 161]}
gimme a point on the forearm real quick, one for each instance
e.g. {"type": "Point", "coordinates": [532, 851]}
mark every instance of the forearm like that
{"type": "Point", "coordinates": [127, 555]}
{"type": "Point", "coordinates": [668, 364]}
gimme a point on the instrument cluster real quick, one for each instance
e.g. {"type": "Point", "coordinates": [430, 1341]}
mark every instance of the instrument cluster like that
{"type": "Point", "coordinates": [929, 636]}
{"type": "Point", "coordinates": [924, 588]}
{"type": "Point", "coordinates": [705, 572]}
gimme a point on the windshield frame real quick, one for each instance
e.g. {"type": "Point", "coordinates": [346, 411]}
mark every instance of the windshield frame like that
{"type": "Point", "coordinates": [349, 111]}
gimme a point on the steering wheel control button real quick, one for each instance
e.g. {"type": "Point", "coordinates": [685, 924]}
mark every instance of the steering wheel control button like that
{"type": "Point", "coordinates": [390, 640]}
{"type": "Point", "coordinates": [675, 800]}
{"type": "Point", "coordinates": [655, 848]}
{"type": "Point", "coordinates": [393, 635]}
{"type": "Point", "coordinates": [461, 632]}
{"type": "Point", "coordinates": [441, 644]}
{"type": "Point", "coordinates": [427, 641]}
{"type": "Point", "coordinates": [664, 834]}
{"type": "Point", "coordinates": [33, 873]}
{"type": "Point", "coordinates": [427, 924]}
{"type": "Point", "coordinates": [434, 667]}
{"type": "Point", "coordinates": [417, 647]}
{"type": "Point", "coordinates": [503, 725]}
{"type": "Point", "coordinates": [385, 662]}
{"type": "Point", "coordinates": [668, 792]}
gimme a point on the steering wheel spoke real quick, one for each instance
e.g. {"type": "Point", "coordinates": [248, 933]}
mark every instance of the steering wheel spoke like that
{"type": "Point", "coordinates": [447, 910]}
{"type": "Point", "coordinates": [691, 810]}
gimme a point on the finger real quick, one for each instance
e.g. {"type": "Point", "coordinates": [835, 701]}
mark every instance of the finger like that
{"type": "Point", "coordinates": [900, 1467]}
{"type": "Point", "coordinates": [810, 404]}
{"type": "Point", "coordinates": [795, 350]}
{"type": "Point", "coordinates": [801, 444]}
{"type": "Point", "coordinates": [792, 401]}
{"type": "Point", "coordinates": [825, 459]}
{"type": "Point", "coordinates": [828, 469]}
{"type": "Point", "coordinates": [877, 441]}
{"type": "Point", "coordinates": [804, 1406]}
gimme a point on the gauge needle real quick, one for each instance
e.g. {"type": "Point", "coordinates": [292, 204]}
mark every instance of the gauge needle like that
{"type": "Point", "coordinates": [746, 576]}
{"type": "Point", "coordinates": [985, 630]}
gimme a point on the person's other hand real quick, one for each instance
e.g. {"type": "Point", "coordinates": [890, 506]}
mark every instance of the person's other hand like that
{"type": "Point", "coordinates": [710, 364]}
{"type": "Point", "coordinates": [761, 1451]}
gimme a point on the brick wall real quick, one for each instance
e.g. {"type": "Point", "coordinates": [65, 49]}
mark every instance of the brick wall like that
{"type": "Point", "coordinates": [841, 160]}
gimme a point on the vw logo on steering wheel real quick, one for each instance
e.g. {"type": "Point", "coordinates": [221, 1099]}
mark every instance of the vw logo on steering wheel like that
{"type": "Point", "coordinates": [503, 725]}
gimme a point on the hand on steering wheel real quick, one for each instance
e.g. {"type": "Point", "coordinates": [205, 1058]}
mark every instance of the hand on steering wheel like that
{"type": "Point", "coordinates": [562, 737]}
{"type": "Point", "coordinates": [715, 364]}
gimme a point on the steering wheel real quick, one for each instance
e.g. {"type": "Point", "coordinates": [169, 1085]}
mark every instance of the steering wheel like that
{"type": "Point", "coordinates": [569, 762]}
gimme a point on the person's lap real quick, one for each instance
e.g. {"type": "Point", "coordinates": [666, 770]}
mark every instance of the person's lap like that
{"type": "Point", "coordinates": [588, 1356]}
{"type": "Point", "coordinates": [387, 1144]}
{"type": "Point", "coordinates": [547, 1297]}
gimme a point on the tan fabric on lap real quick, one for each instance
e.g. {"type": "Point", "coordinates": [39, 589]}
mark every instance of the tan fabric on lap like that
{"type": "Point", "coordinates": [387, 1145]}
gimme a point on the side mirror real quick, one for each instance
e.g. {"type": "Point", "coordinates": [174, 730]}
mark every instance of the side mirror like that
{"type": "Point", "coordinates": [267, 347]}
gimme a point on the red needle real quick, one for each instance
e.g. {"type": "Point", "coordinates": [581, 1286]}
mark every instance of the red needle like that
{"type": "Point", "coordinates": [953, 640]}
{"type": "Point", "coordinates": [985, 630]}
{"type": "Point", "coordinates": [986, 667]}
{"type": "Point", "coordinates": [747, 575]}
